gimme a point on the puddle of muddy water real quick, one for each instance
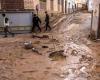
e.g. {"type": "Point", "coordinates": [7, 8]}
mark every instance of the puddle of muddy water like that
{"type": "Point", "coordinates": [57, 55]}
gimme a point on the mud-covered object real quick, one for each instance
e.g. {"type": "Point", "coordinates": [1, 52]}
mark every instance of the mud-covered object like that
{"type": "Point", "coordinates": [44, 46]}
{"type": "Point", "coordinates": [45, 36]}
{"type": "Point", "coordinates": [41, 37]}
{"type": "Point", "coordinates": [57, 55]}
{"type": "Point", "coordinates": [36, 51]}
{"type": "Point", "coordinates": [28, 45]}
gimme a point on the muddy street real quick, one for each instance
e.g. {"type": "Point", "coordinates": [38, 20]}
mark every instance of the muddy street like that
{"type": "Point", "coordinates": [74, 55]}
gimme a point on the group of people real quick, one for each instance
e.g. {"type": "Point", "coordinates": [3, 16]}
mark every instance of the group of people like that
{"type": "Point", "coordinates": [37, 22]}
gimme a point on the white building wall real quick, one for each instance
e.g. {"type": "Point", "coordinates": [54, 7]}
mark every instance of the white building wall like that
{"type": "Point", "coordinates": [81, 1]}
{"type": "Point", "coordinates": [64, 6]}
{"type": "Point", "coordinates": [57, 7]}
{"type": "Point", "coordinates": [95, 15]}
{"type": "Point", "coordinates": [90, 5]}
{"type": "Point", "coordinates": [55, 4]}
{"type": "Point", "coordinates": [48, 7]}
{"type": "Point", "coordinates": [60, 5]}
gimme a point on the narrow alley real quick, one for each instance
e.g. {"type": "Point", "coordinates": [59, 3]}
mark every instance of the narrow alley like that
{"type": "Point", "coordinates": [74, 54]}
{"type": "Point", "coordinates": [49, 39]}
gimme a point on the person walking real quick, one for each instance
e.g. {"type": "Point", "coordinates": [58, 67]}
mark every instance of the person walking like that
{"type": "Point", "coordinates": [6, 26]}
{"type": "Point", "coordinates": [36, 22]}
{"type": "Point", "coordinates": [47, 21]}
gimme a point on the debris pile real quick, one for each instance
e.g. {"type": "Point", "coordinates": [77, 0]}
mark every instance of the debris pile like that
{"type": "Point", "coordinates": [80, 62]}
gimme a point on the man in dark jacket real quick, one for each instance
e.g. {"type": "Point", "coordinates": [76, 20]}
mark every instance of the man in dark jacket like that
{"type": "Point", "coordinates": [47, 20]}
{"type": "Point", "coordinates": [36, 22]}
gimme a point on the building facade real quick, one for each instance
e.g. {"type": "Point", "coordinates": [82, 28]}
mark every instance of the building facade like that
{"type": "Point", "coordinates": [65, 6]}
{"type": "Point", "coordinates": [55, 5]}
{"type": "Point", "coordinates": [18, 4]}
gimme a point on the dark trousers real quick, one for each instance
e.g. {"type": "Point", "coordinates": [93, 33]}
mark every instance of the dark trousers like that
{"type": "Point", "coordinates": [34, 26]}
{"type": "Point", "coordinates": [6, 31]}
{"type": "Point", "coordinates": [47, 26]}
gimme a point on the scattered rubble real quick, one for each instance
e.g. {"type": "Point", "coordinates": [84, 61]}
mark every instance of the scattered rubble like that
{"type": "Point", "coordinates": [74, 53]}
{"type": "Point", "coordinates": [77, 49]}
{"type": "Point", "coordinates": [80, 62]}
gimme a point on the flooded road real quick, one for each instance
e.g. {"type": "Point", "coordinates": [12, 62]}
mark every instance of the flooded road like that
{"type": "Point", "coordinates": [18, 63]}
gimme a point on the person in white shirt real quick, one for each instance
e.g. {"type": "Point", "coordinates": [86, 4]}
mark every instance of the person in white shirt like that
{"type": "Point", "coordinates": [6, 26]}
